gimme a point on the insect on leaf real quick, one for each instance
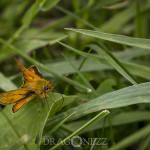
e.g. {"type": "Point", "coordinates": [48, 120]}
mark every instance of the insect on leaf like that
{"type": "Point", "coordinates": [34, 85]}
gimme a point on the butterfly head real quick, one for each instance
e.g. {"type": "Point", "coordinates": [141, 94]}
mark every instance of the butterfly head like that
{"type": "Point", "coordinates": [48, 86]}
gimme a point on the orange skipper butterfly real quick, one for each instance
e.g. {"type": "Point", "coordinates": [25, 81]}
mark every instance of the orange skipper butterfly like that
{"type": "Point", "coordinates": [34, 85]}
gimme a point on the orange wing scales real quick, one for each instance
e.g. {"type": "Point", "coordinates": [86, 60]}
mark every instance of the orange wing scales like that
{"type": "Point", "coordinates": [36, 71]}
{"type": "Point", "coordinates": [26, 73]}
{"type": "Point", "coordinates": [21, 103]}
{"type": "Point", "coordinates": [15, 96]}
{"type": "Point", "coordinates": [20, 97]}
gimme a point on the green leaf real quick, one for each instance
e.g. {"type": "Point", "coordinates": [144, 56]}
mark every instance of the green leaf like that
{"type": "Point", "coordinates": [6, 84]}
{"type": "Point", "coordinates": [50, 4]}
{"type": "Point", "coordinates": [50, 132]}
{"type": "Point", "coordinates": [101, 64]}
{"type": "Point", "coordinates": [20, 129]}
{"type": "Point", "coordinates": [116, 120]}
{"type": "Point", "coordinates": [106, 86]}
{"type": "Point", "coordinates": [122, 18]}
{"type": "Point", "coordinates": [124, 97]}
{"type": "Point", "coordinates": [31, 40]}
{"type": "Point", "coordinates": [134, 137]}
{"type": "Point", "coordinates": [113, 61]}
{"type": "Point", "coordinates": [121, 39]}
{"type": "Point", "coordinates": [32, 11]}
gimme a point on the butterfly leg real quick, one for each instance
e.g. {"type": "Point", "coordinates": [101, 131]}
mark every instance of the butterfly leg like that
{"type": "Point", "coordinates": [42, 104]}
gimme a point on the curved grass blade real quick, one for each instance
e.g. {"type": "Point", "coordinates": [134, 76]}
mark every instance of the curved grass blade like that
{"type": "Point", "coordinates": [124, 97]}
{"type": "Point", "coordinates": [92, 121]}
{"type": "Point", "coordinates": [132, 138]}
{"type": "Point", "coordinates": [120, 39]}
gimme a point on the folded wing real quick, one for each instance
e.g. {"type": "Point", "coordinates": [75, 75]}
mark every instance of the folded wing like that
{"type": "Point", "coordinates": [32, 73]}
{"type": "Point", "coordinates": [15, 96]}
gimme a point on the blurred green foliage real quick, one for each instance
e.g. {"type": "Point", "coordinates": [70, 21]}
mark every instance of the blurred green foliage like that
{"type": "Point", "coordinates": [97, 54]}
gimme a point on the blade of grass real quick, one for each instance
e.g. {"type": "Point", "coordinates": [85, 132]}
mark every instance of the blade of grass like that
{"type": "Point", "coordinates": [138, 20]}
{"type": "Point", "coordinates": [81, 76]}
{"type": "Point", "coordinates": [97, 65]}
{"type": "Point", "coordinates": [92, 121]}
{"type": "Point", "coordinates": [120, 39]}
{"type": "Point", "coordinates": [124, 118]}
{"type": "Point", "coordinates": [28, 18]}
{"type": "Point", "coordinates": [132, 138]}
{"type": "Point", "coordinates": [84, 60]}
{"type": "Point", "coordinates": [124, 97]}
{"type": "Point", "coordinates": [77, 51]}
{"type": "Point", "coordinates": [112, 60]}
{"type": "Point", "coordinates": [145, 143]}
{"type": "Point", "coordinates": [58, 125]}
{"type": "Point", "coordinates": [124, 16]}
{"type": "Point", "coordinates": [75, 16]}
{"type": "Point", "coordinates": [135, 69]}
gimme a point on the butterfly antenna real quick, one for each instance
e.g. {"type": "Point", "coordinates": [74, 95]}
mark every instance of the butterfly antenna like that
{"type": "Point", "coordinates": [60, 94]}
{"type": "Point", "coordinates": [62, 100]}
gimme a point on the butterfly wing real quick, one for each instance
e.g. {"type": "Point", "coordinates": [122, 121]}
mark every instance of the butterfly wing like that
{"type": "Point", "coordinates": [36, 72]}
{"type": "Point", "coordinates": [15, 96]}
{"type": "Point", "coordinates": [20, 97]}
{"type": "Point", "coordinates": [30, 74]}
{"type": "Point", "coordinates": [21, 103]}
{"type": "Point", "coordinates": [23, 95]}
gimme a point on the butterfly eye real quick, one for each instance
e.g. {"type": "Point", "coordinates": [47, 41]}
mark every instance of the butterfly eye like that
{"type": "Point", "coordinates": [45, 88]}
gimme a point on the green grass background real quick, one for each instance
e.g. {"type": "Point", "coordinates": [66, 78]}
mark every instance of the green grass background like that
{"type": "Point", "coordinates": [97, 54]}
